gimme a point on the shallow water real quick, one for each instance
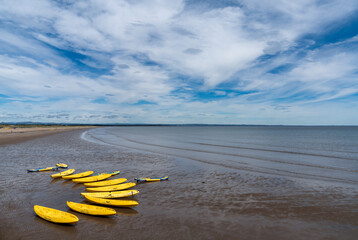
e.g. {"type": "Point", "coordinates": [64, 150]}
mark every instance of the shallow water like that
{"type": "Point", "coordinates": [213, 192]}
{"type": "Point", "coordinates": [321, 153]}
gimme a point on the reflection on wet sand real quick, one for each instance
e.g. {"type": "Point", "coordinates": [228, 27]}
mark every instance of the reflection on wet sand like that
{"type": "Point", "coordinates": [55, 180]}
{"type": "Point", "coordinates": [77, 186]}
{"type": "Point", "coordinates": [63, 228]}
{"type": "Point", "coordinates": [126, 211]}
{"type": "Point", "coordinates": [66, 182]}
{"type": "Point", "coordinates": [147, 183]}
{"type": "Point", "coordinates": [105, 220]}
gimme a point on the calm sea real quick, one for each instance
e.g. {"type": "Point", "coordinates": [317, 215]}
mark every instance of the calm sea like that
{"type": "Point", "coordinates": [321, 153]}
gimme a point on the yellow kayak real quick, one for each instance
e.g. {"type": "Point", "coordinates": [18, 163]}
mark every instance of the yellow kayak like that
{"type": "Point", "coordinates": [116, 194]}
{"type": "Point", "coordinates": [61, 165]}
{"type": "Point", "coordinates": [116, 203]}
{"type": "Point", "coordinates": [78, 175]}
{"type": "Point", "coordinates": [64, 173]}
{"type": "Point", "coordinates": [92, 179]}
{"type": "Point", "coordinates": [113, 173]}
{"type": "Point", "coordinates": [106, 183]}
{"type": "Point", "coordinates": [151, 179]}
{"type": "Point", "coordinates": [111, 188]}
{"type": "Point", "coordinates": [54, 215]}
{"type": "Point", "coordinates": [91, 209]}
{"type": "Point", "coordinates": [42, 169]}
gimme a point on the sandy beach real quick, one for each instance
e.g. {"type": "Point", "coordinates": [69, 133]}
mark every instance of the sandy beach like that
{"type": "Point", "coordinates": [198, 201]}
{"type": "Point", "coordinates": [17, 135]}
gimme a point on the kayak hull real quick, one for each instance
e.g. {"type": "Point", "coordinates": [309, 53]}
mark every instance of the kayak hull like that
{"type": "Point", "coordinates": [91, 209]}
{"type": "Point", "coordinates": [115, 194]}
{"type": "Point", "coordinates": [54, 215]}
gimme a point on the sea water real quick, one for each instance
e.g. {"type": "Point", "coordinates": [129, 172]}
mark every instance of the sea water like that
{"type": "Point", "coordinates": [307, 152]}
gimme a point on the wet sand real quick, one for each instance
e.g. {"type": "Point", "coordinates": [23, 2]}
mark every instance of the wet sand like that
{"type": "Point", "coordinates": [200, 201]}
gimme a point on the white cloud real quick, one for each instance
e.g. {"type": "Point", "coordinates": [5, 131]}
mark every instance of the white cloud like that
{"type": "Point", "coordinates": [289, 19]}
{"type": "Point", "coordinates": [334, 67]}
{"type": "Point", "coordinates": [129, 85]}
{"type": "Point", "coordinates": [137, 49]}
{"type": "Point", "coordinates": [148, 28]}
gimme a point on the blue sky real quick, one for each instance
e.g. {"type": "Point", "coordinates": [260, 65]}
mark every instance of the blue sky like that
{"type": "Point", "coordinates": [223, 62]}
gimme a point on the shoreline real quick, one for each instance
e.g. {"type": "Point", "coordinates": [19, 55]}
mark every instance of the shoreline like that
{"type": "Point", "coordinates": [18, 135]}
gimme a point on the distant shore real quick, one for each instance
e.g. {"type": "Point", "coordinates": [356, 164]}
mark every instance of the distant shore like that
{"type": "Point", "coordinates": [14, 134]}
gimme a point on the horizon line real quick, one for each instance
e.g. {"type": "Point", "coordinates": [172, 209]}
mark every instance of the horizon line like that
{"type": "Point", "coordinates": [169, 124]}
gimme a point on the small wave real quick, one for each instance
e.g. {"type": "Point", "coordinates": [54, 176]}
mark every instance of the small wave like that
{"type": "Point", "coordinates": [241, 161]}
{"type": "Point", "coordinates": [87, 136]}
{"type": "Point", "coordinates": [276, 151]}
{"type": "Point", "coordinates": [247, 156]}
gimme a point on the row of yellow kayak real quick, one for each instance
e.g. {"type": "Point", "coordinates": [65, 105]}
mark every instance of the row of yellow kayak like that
{"type": "Point", "coordinates": [99, 192]}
